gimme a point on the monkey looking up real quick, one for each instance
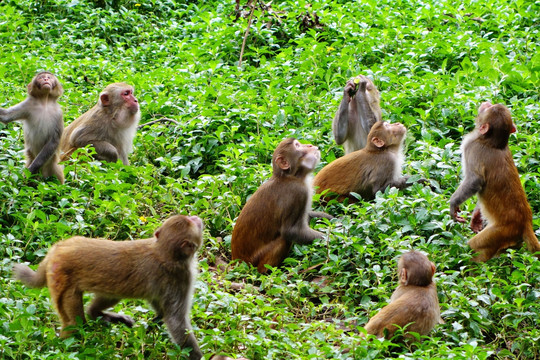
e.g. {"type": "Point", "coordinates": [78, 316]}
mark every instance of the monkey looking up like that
{"type": "Point", "coordinates": [109, 126]}
{"type": "Point", "coordinates": [161, 270]}
{"type": "Point", "coordinates": [43, 124]}
{"type": "Point", "coordinates": [358, 111]}
{"type": "Point", "coordinates": [490, 173]}
{"type": "Point", "coordinates": [366, 171]}
{"type": "Point", "coordinates": [413, 303]}
{"type": "Point", "coordinates": [276, 216]}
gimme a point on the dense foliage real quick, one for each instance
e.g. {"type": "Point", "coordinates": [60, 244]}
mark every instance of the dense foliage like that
{"type": "Point", "coordinates": [433, 62]}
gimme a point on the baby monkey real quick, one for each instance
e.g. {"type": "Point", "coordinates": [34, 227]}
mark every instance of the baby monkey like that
{"type": "Point", "coordinates": [413, 303]}
{"type": "Point", "coordinates": [161, 270]}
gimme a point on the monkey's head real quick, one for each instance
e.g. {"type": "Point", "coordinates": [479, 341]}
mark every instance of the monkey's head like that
{"type": "Point", "coordinates": [119, 95]}
{"type": "Point", "coordinates": [45, 84]}
{"type": "Point", "coordinates": [295, 159]}
{"type": "Point", "coordinates": [494, 123]}
{"type": "Point", "coordinates": [385, 135]}
{"type": "Point", "coordinates": [180, 237]}
{"type": "Point", "coordinates": [414, 268]}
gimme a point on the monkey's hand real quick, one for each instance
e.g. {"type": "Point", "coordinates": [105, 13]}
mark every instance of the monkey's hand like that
{"type": "Point", "coordinates": [350, 89]}
{"type": "Point", "coordinates": [477, 222]}
{"type": "Point", "coordinates": [454, 210]}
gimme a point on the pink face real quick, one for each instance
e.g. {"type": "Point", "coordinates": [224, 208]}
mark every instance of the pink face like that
{"type": "Point", "coordinates": [130, 100]}
{"type": "Point", "coordinates": [395, 128]}
{"type": "Point", "coordinates": [485, 105]}
{"type": "Point", "coordinates": [45, 81]}
{"type": "Point", "coordinates": [311, 154]}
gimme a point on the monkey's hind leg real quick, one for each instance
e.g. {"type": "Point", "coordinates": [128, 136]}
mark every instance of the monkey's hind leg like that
{"type": "Point", "coordinates": [105, 151]}
{"type": "Point", "coordinates": [51, 168]}
{"type": "Point", "coordinates": [101, 303]}
{"type": "Point", "coordinates": [272, 254]}
{"type": "Point", "coordinates": [69, 304]}
{"type": "Point", "coordinates": [492, 241]}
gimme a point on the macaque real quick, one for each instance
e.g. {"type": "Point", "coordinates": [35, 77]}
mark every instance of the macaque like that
{"type": "Point", "coordinates": [413, 303]}
{"type": "Point", "coordinates": [161, 270]}
{"type": "Point", "coordinates": [358, 111]}
{"type": "Point", "coordinates": [368, 170]}
{"type": "Point", "coordinates": [42, 124]}
{"type": "Point", "coordinates": [490, 173]}
{"type": "Point", "coordinates": [109, 126]}
{"type": "Point", "coordinates": [276, 216]}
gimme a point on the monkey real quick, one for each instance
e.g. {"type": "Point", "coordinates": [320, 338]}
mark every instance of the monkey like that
{"type": "Point", "coordinates": [161, 270]}
{"type": "Point", "coordinates": [109, 126]}
{"type": "Point", "coordinates": [358, 111]}
{"type": "Point", "coordinates": [43, 124]}
{"type": "Point", "coordinates": [366, 171]}
{"type": "Point", "coordinates": [276, 215]}
{"type": "Point", "coordinates": [490, 173]}
{"type": "Point", "coordinates": [413, 303]}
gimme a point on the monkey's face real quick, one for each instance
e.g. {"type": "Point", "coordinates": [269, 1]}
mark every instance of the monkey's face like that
{"type": "Point", "coordinates": [130, 101]}
{"type": "Point", "coordinates": [309, 155]}
{"type": "Point", "coordinates": [45, 81]}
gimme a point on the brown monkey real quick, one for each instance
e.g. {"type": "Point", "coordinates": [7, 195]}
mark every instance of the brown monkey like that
{"type": "Point", "coordinates": [109, 126]}
{"type": "Point", "coordinates": [489, 172]}
{"type": "Point", "coordinates": [42, 124]}
{"type": "Point", "coordinates": [358, 111]}
{"type": "Point", "coordinates": [161, 270]}
{"type": "Point", "coordinates": [276, 216]}
{"type": "Point", "coordinates": [370, 169]}
{"type": "Point", "coordinates": [413, 303]}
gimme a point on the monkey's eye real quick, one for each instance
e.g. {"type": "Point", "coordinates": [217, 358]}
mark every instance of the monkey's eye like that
{"type": "Point", "coordinates": [126, 92]}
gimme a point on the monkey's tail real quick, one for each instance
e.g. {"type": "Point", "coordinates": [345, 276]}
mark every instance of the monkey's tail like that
{"type": "Point", "coordinates": [532, 242]}
{"type": "Point", "coordinates": [35, 279]}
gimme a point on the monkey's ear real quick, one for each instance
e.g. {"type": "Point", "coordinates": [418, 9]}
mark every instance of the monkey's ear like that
{"type": "Point", "coordinates": [513, 130]}
{"type": "Point", "coordinates": [484, 128]}
{"type": "Point", "coordinates": [403, 277]}
{"type": "Point", "coordinates": [156, 234]}
{"type": "Point", "coordinates": [377, 142]}
{"type": "Point", "coordinates": [282, 163]}
{"type": "Point", "coordinates": [105, 101]}
{"type": "Point", "coordinates": [433, 269]}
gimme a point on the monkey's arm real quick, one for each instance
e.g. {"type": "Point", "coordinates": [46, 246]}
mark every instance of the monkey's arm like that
{"type": "Point", "coordinates": [340, 125]}
{"type": "Point", "coordinates": [180, 329]}
{"type": "Point", "coordinates": [319, 214]}
{"type": "Point", "coordinates": [50, 147]}
{"type": "Point", "coordinates": [471, 185]}
{"type": "Point", "coordinates": [366, 115]}
{"type": "Point", "coordinates": [17, 112]}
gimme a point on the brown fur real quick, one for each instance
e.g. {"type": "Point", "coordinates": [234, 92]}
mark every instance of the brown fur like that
{"type": "Point", "coordinates": [369, 170]}
{"type": "Point", "coordinates": [491, 174]}
{"type": "Point", "coordinates": [413, 303]}
{"type": "Point", "coordinates": [42, 124]}
{"type": "Point", "coordinates": [276, 216]}
{"type": "Point", "coordinates": [109, 126]}
{"type": "Point", "coordinates": [161, 270]}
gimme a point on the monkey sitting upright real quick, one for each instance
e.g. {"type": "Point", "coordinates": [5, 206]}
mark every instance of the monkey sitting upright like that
{"type": "Point", "coordinates": [413, 303]}
{"type": "Point", "coordinates": [161, 270]}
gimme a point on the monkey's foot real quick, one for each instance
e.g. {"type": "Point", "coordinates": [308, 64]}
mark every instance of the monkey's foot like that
{"type": "Point", "coordinates": [117, 318]}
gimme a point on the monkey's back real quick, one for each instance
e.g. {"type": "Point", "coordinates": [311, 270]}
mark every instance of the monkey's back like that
{"type": "Point", "coordinates": [99, 265]}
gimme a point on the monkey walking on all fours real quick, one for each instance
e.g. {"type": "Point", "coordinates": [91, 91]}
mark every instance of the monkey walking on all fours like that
{"type": "Point", "coordinates": [43, 124]}
{"type": "Point", "coordinates": [161, 270]}
{"type": "Point", "coordinates": [490, 172]}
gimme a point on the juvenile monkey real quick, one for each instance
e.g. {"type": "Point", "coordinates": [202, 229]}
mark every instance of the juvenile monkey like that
{"type": "Point", "coordinates": [276, 216]}
{"type": "Point", "coordinates": [490, 173]}
{"type": "Point", "coordinates": [358, 111]}
{"type": "Point", "coordinates": [414, 302]}
{"type": "Point", "coordinates": [366, 171]}
{"type": "Point", "coordinates": [42, 124]}
{"type": "Point", "coordinates": [161, 270]}
{"type": "Point", "coordinates": [109, 126]}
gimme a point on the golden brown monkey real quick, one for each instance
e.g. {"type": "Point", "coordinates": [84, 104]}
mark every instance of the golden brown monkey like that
{"type": "Point", "coordinates": [413, 303]}
{"type": "Point", "coordinates": [358, 111]}
{"type": "Point", "coordinates": [161, 270]}
{"type": "Point", "coordinates": [109, 126]}
{"type": "Point", "coordinates": [276, 216]}
{"type": "Point", "coordinates": [366, 171]}
{"type": "Point", "coordinates": [42, 124]}
{"type": "Point", "coordinates": [490, 173]}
